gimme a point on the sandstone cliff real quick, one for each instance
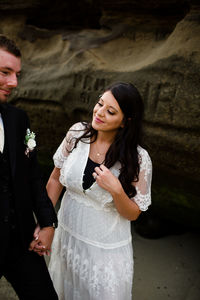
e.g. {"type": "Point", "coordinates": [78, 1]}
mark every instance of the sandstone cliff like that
{"type": "Point", "coordinates": [71, 52]}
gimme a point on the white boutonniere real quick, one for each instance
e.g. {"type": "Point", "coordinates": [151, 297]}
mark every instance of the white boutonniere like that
{"type": "Point", "coordinates": [29, 141]}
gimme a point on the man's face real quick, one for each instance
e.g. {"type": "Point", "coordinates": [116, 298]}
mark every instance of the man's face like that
{"type": "Point", "coordinates": [10, 67]}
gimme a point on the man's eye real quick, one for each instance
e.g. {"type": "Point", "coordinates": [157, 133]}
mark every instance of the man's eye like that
{"type": "Point", "coordinates": [4, 72]}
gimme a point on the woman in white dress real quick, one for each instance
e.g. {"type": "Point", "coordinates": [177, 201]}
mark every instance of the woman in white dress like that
{"type": "Point", "coordinates": [107, 176]}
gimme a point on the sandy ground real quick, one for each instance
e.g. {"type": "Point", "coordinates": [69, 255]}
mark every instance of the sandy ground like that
{"type": "Point", "coordinates": [165, 268]}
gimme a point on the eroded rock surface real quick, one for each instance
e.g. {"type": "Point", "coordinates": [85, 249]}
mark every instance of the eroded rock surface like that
{"type": "Point", "coordinates": [70, 55]}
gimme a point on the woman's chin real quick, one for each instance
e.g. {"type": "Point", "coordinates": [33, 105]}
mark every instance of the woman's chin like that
{"type": "Point", "coordinates": [94, 125]}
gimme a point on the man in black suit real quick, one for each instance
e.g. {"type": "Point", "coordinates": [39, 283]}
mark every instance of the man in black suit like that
{"type": "Point", "coordinates": [22, 192]}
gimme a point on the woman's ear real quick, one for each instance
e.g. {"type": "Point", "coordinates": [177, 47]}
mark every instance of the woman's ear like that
{"type": "Point", "coordinates": [124, 121]}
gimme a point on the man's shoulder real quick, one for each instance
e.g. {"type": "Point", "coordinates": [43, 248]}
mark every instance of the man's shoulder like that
{"type": "Point", "coordinates": [16, 110]}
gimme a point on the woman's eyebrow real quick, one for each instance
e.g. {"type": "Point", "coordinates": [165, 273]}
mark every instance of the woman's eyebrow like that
{"type": "Point", "coordinates": [113, 108]}
{"type": "Point", "coordinates": [110, 106]}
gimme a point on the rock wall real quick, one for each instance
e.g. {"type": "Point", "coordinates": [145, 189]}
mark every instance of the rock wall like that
{"type": "Point", "coordinates": [70, 53]}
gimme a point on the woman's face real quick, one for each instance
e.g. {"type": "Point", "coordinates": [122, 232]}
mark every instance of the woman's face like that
{"type": "Point", "coordinates": [107, 114]}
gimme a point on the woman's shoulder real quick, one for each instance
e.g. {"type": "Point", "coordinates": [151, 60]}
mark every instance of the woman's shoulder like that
{"type": "Point", "coordinates": [76, 130]}
{"type": "Point", "coordinates": [78, 126]}
{"type": "Point", "coordinates": [142, 151]}
{"type": "Point", "coordinates": [144, 155]}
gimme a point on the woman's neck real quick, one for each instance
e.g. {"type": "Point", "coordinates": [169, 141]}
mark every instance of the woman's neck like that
{"type": "Point", "coordinates": [100, 146]}
{"type": "Point", "coordinates": [105, 137]}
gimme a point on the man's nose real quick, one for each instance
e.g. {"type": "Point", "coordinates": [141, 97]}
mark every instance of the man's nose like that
{"type": "Point", "coordinates": [12, 81]}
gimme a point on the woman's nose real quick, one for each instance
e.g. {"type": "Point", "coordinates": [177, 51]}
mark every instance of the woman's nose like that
{"type": "Point", "coordinates": [100, 111]}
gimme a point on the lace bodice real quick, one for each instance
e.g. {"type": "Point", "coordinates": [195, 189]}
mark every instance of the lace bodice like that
{"type": "Point", "coordinates": [143, 186]}
{"type": "Point", "coordinates": [80, 209]}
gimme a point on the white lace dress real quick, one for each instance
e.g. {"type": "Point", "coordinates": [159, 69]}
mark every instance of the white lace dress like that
{"type": "Point", "coordinates": [92, 255]}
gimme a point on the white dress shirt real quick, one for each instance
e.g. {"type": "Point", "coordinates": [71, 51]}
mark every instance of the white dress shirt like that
{"type": "Point", "coordinates": [1, 134]}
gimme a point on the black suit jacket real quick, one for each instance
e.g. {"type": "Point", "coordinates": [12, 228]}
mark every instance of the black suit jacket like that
{"type": "Point", "coordinates": [29, 193]}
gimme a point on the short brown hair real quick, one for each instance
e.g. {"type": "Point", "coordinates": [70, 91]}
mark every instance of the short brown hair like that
{"type": "Point", "coordinates": [9, 46]}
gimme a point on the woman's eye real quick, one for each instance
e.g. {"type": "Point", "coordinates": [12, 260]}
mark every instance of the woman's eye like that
{"type": "Point", "coordinates": [111, 112]}
{"type": "Point", "coordinates": [100, 104]}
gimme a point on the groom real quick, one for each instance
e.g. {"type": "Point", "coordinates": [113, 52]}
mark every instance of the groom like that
{"type": "Point", "coordinates": [22, 193]}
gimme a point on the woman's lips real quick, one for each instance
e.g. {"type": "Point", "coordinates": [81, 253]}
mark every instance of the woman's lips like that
{"type": "Point", "coordinates": [98, 120]}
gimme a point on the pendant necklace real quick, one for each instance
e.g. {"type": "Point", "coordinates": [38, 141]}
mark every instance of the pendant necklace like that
{"type": "Point", "coordinates": [99, 153]}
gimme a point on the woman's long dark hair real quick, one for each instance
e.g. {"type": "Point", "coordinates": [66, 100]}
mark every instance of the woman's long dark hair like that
{"type": "Point", "coordinates": [124, 146]}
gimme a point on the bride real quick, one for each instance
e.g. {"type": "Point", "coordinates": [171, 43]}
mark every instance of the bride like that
{"type": "Point", "coordinates": [107, 177]}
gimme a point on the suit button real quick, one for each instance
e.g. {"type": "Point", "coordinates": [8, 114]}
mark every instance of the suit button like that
{"type": "Point", "coordinates": [13, 227]}
{"type": "Point", "coordinates": [6, 219]}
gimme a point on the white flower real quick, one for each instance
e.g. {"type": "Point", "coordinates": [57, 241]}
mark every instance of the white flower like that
{"type": "Point", "coordinates": [31, 144]}
{"type": "Point", "coordinates": [29, 141]}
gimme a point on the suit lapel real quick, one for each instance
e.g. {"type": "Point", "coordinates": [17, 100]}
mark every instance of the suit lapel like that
{"type": "Point", "coordinates": [8, 117]}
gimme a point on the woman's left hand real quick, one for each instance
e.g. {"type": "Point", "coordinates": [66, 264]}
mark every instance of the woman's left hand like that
{"type": "Point", "coordinates": [106, 179]}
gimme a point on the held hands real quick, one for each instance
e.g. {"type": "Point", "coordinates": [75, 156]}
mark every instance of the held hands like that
{"type": "Point", "coordinates": [42, 240]}
{"type": "Point", "coordinates": [107, 180]}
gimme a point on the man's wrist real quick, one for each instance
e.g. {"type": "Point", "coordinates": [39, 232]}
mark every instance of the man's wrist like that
{"type": "Point", "coordinates": [54, 225]}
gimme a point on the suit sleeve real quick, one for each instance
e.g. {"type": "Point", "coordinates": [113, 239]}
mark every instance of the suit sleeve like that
{"type": "Point", "coordinates": [42, 205]}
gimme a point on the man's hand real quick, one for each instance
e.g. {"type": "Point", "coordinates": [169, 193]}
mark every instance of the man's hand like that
{"type": "Point", "coordinates": [43, 240]}
{"type": "Point", "coordinates": [36, 232]}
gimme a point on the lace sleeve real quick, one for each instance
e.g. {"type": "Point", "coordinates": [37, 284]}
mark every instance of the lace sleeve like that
{"type": "Point", "coordinates": [67, 145]}
{"type": "Point", "coordinates": [143, 186]}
